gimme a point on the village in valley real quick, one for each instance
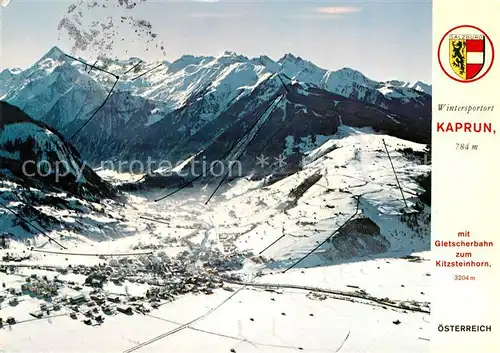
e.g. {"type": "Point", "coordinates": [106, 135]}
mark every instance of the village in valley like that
{"type": "Point", "coordinates": [81, 292]}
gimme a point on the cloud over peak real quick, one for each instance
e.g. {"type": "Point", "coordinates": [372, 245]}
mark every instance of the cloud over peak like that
{"type": "Point", "coordinates": [337, 10]}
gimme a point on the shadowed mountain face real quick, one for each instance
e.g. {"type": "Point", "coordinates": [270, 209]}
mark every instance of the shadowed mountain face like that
{"type": "Point", "coordinates": [290, 126]}
{"type": "Point", "coordinates": [203, 105]}
{"type": "Point", "coordinates": [34, 154]}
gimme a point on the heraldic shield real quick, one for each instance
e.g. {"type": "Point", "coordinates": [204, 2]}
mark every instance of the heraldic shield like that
{"type": "Point", "coordinates": [467, 54]}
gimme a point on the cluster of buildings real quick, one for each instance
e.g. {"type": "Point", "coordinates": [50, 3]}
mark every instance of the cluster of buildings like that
{"type": "Point", "coordinates": [94, 306]}
{"type": "Point", "coordinates": [46, 309]}
{"type": "Point", "coordinates": [165, 277]}
{"type": "Point", "coordinates": [12, 257]}
{"type": "Point", "coordinates": [41, 286]}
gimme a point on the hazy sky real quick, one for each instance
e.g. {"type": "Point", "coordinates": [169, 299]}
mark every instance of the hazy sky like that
{"type": "Point", "coordinates": [383, 39]}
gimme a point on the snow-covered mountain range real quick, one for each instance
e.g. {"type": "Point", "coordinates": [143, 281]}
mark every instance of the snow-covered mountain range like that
{"type": "Point", "coordinates": [171, 111]}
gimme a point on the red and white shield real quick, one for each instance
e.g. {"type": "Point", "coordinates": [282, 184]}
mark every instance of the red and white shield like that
{"type": "Point", "coordinates": [474, 57]}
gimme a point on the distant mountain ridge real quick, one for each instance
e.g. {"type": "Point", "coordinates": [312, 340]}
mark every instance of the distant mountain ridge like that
{"type": "Point", "coordinates": [173, 110]}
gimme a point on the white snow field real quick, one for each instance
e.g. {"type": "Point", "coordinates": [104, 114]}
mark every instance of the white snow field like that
{"type": "Point", "coordinates": [243, 287]}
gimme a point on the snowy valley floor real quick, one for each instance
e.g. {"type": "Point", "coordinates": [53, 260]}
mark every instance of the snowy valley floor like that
{"type": "Point", "coordinates": [253, 319]}
{"type": "Point", "coordinates": [225, 266]}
